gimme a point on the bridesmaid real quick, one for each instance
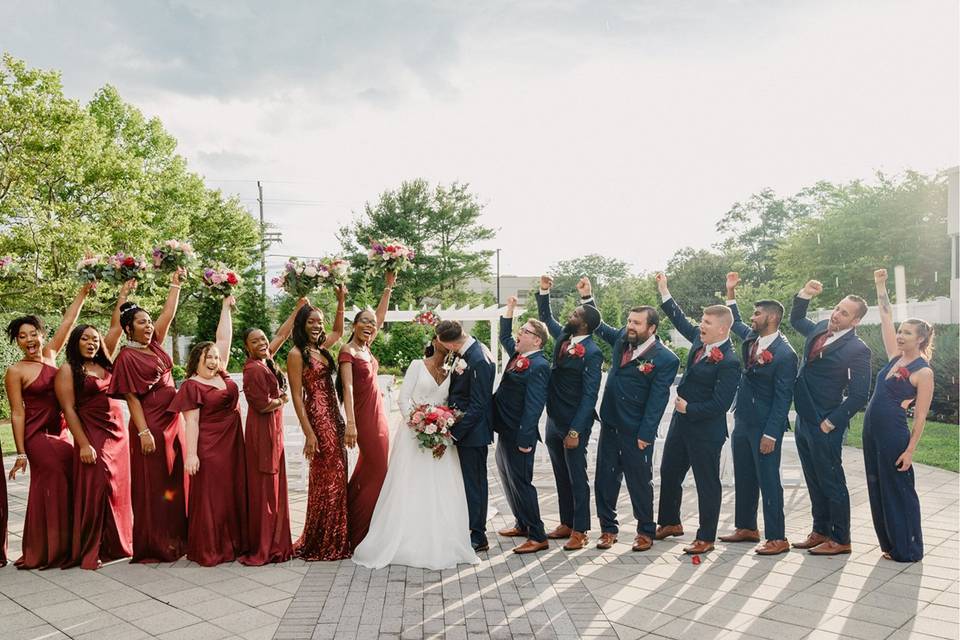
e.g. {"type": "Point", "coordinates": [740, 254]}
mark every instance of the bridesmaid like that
{"type": "Point", "coordinates": [41, 438]}
{"type": "Point", "coordinates": [264, 386]}
{"type": "Point", "coordinates": [208, 399]}
{"type": "Point", "coordinates": [366, 416]}
{"type": "Point", "coordinates": [888, 444]}
{"type": "Point", "coordinates": [311, 369]}
{"type": "Point", "coordinates": [102, 514]}
{"type": "Point", "coordinates": [141, 376]}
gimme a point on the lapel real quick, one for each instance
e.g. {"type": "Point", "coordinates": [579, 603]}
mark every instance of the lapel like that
{"type": "Point", "coordinates": [772, 349]}
{"type": "Point", "coordinates": [836, 344]}
{"type": "Point", "coordinates": [556, 349]}
{"type": "Point", "coordinates": [649, 354]}
{"type": "Point", "coordinates": [821, 329]}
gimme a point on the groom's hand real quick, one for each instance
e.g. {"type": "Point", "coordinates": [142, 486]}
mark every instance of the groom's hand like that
{"type": "Point", "coordinates": [571, 442]}
{"type": "Point", "coordinates": [524, 449]}
{"type": "Point", "coordinates": [642, 444]}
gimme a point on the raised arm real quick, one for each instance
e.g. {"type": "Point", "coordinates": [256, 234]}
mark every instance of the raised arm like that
{"type": "Point", "coordinates": [13, 383]}
{"type": "Point", "coordinates": [887, 329]}
{"type": "Point", "coordinates": [284, 330]}
{"type": "Point", "coordinates": [506, 328]}
{"type": "Point", "coordinates": [391, 279]}
{"type": "Point", "coordinates": [740, 329]}
{"type": "Point", "coordinates": [543, 307]}
{"type": "Point", "coordinates": [52, 348]}
{"type": "Point", "coordinates": [225, 331]}
{"type": "Point", "coordinates": [112, 339]}
{"type": "Point", "coordinates": [605, 331]}
{"type": "Point", "coordinates": [169, 310]}
{"type": "Point", "coordinates": [798, 314]}
{"type": "Point", "coordinates": [674, 312]}
{"type": "Point", "coordinates": [336, 332]}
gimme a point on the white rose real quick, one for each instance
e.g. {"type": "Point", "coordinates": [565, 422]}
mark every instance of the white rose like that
{"type": "Point", "coordinates": [431, 428]}
{"type": "Point", "coordinates": [310, 271]}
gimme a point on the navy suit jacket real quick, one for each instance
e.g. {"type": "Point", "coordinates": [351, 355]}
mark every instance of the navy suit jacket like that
{"type": "Point", "coordinates": [841, 369]}
{"type": "Point", "coordinates": [472, 393]}
{"type": "Point", "coordinates": [521, 396]}
{"type": "Point", "coordinates": [766, 390]}
{"type": "Point", "coordinates": [631, 399]}
{"type": "Point", "coordinates": [708, 387]}
{"type": "Point", "coordinates": [574, 382]}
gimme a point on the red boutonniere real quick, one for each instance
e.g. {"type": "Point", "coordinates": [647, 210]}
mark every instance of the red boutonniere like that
{"type": "Point", "coordinates": [646, 367]}
{"type": "Point", "coordinates": [522, 363]}
{"type": "Point", "coordinates": [715, 355]}
{"type": "Point", "coordinates": [903, 373]}
{"type": "Point", "coordinates": [764, 357]}
{"type": "Point", "coordinates": [576, 350]}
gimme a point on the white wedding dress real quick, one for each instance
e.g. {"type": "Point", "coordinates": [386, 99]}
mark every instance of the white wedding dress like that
{"type": "Point", "coordinates": [421, 515]}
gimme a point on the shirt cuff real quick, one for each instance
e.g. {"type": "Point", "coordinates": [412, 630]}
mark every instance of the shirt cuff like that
{"type": "Point", "coordinates": [771, 437]}
{"type": "Point", "coordinates": [803, 295]}
{"type": "Point", "coordinates": [544, 292]}
{"type": "Point", "coordinates": [730, 303]}
{"type": "Point", "coordinates": [586, 300]}
{"type": "Point", "coordinates": [665, 298]}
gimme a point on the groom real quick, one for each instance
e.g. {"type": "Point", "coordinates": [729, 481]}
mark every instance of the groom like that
{"type": "Point", "coordinates": [471, 391]}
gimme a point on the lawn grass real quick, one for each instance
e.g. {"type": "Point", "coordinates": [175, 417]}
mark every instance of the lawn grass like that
{"type": "Point", "coordinates": [6, 438]}
{"type": "Point", "coordinates": [939, 445]}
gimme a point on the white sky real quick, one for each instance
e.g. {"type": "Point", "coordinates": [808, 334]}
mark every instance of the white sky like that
{"type": "Point", "coordinates": [621, 128]}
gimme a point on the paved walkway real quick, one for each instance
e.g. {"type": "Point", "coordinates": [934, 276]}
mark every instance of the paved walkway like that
{"type": "Point", "coordinates": [589, 593]}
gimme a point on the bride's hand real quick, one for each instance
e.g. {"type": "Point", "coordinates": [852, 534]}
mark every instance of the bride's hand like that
{"type": "Point", "coordinates": [350, 437]}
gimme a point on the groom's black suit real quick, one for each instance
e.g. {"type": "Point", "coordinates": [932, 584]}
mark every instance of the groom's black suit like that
{"type": "Point", "coordinates": [471, 391]}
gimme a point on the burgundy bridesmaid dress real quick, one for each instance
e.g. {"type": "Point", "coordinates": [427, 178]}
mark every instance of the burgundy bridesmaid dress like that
{"type": "Point", "coordinates": [102, 512]}
{"type": "Point", "coordinates": [156, 480]}
{"type": "Point", "coordinates": [217, 505]}
{"type": "Point", "coordinates": [268, 511]}
{"type": "Point", "coordinates": [47, 526]}
{"type": "Point", "coordinates": [373, 439]}
{"type": "Point", "coordinates": [324, 534]}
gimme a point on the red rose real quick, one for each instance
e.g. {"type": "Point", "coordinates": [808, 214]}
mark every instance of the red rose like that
{"type": "Point", "coordinates": [522, 363]}
{"type": "Point", "coordinates": [577, 350]}
{"type": "Point", "coordinates": [903, 373]}
{"type": "Point", "coordinates": [764, 357]}
{"type": "Point", "coordinates": [646, 368]}
{"type": "Point", "coordinates": [715, 355]}
{"type": "Point", "coordinates": [431, 417]}
{"type": "Point", "coordinates": [232, 278]}
{"type": "Point", "coordinates": [129, 261]}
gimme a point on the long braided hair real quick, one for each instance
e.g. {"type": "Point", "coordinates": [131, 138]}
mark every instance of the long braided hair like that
{"type": "Point", "coordinates": [76, 360]}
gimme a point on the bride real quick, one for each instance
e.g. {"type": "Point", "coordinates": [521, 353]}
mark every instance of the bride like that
{"type": "Point", "coordinates": [421, 515]}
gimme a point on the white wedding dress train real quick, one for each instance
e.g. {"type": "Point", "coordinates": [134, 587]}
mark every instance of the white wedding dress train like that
{"type": "Point", "coordinates": [421, 515]}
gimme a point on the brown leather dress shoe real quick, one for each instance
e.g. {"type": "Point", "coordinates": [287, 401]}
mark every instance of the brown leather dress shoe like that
{"type": "Point", "coordinates": [668, 530]}
{"type": "Point", "coordinates": [576, 542]}
{"type": "Point", "coordinates": [607, 540]}
{"type": "Point", "coordinates": [742, 535]}
{"type": "Point", "coordinates": [772, 548]}
{"type": "Point", "coordinates": [642, 542]}
{"type": "Point", "coordinates": [531, 546]}
{"type": "Point", "coordinates": [829, 548]}
{"type": "Point", "coordinates": [513, 532]}
{"type": "Point", "coordinates": [698, 546]}
{"type": "Point", "coordinates": [563, 531]}
{"type": "Point", "coordinates": [812, 540]}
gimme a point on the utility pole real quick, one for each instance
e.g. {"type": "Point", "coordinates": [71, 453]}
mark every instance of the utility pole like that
{"type": "Point", "coordinates": [263, 249]}
{"type": "Point", "coordinates": [498, 277]}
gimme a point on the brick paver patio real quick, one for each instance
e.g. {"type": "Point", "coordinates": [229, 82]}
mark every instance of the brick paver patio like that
{"type": "Point", "coordinates": [555, 594]}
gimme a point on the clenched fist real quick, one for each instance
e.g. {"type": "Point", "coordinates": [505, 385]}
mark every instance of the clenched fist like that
{"type": "Point", "coordinates": [880, 276]}
{"type": "Point", "coordinates": [546, 282]}
{"type": "Point", "coordinates": [733, 279]}
{"type": "Point", "coordinates": [813, 288]}
{"type": "Point", "coordinates": [584, 287]}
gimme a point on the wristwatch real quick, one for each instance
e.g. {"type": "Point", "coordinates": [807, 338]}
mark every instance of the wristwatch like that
{"type": "Point", "coordinates": [573, 434]}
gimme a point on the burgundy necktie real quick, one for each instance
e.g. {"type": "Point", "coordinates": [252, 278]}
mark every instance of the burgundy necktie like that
{"type": "Point", "coordinates": [753, 353]}
{"type": "Point", "coordinates": [563, 349]}
{"type": "Point", "coordinates": [513, 362]}
{"type": "Point", "coordinates": [699, 355]}
{"type": "Point", "coordinates": [627, 355]}
{"type": "Point", "coordinates": [819, 344]}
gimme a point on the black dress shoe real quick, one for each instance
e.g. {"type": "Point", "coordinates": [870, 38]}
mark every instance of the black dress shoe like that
{"type": "Point", "coordinates": [481, 546]}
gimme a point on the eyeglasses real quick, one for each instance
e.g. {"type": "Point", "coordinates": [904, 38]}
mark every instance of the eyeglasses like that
{"type": "Point", "coordinates": [527, 331]}
{"type": "Point", "coordinates": [366, 320]}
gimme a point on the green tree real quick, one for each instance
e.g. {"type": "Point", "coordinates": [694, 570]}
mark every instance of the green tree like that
{"type": "Point", "coordinates": [697, 278]}
{"type": "Point", "coordinates": [442, 224]}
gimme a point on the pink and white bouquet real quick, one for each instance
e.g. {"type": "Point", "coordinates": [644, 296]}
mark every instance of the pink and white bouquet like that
{"type": "Point", "coordinates": [120, 267]}
{"type": "Point", "coordinates": [339, 271]}
{"type": "Point", "coordinates": [427, 318]}
{"type": "Point", "coordinates": [390, 255]}
{"type": "Point", "coordinates": [90, 269]}
{"type": "Point", "coordinates": [220, 280]}
{"type": "Point", "coordinates": [172, 255]}
{"type": "Point", "coordinates": [8, 267]}
{"type": "Point", "coordinates": [431, 426]}
{"type": "Point", "coordinates": [300, 277]}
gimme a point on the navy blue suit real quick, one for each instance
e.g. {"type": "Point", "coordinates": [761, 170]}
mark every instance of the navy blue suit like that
{"type": "Point", "coordinates": [841, 369]}
{"type": "Point", "coordinates": [763, 403]}
{"type": "Point", "coordinates": [471, 391]}
{"type": "Point", "coordinates": [518, 405]}
{"type": "Point", "coordinates": [632, 406]}
{"type": "Point", "coordinates": [696, 438]}
{"type": "Point", "coordinates": [571, 404]}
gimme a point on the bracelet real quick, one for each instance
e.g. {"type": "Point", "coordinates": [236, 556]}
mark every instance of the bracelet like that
{"type": "Point", "coordinates": [21, 456]}
{"type": "Point", "coordinates": [140, 433]}
{"type": "Point", "coordinates": [174, 286]}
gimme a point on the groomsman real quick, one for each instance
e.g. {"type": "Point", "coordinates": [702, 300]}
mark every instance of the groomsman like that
{"type": "Point", "coordinates": [517, 407]}
{"type": "Point", "coordinates": [571, 411]}
{"type": "Point", "coordinates": [832, 386]}
{"type": "Point", "coordinates": [760, 419]}
{"type": "Point", "coordinates": [698, 428]}
{"type": "Point", "coordinates": [634, 399]}
{"type": "Point", "coordinates": [471, 391]}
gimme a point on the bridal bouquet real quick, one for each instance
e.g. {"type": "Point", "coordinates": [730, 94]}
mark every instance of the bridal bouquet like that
{"type": "Point", "coordinates": [390, 255]}
{"type": "Point", "coordinates": [427, 319]}
{"type": "Point", "coordinates": [220, 280]}
{"type": "Point", "coordinates": [300, 277]}
{"type": "Point", "coordinates": [339, 271]}
{"type": "Point", "coordinates": [431, 426]}
{"type": "Point", "coordinates": [120, 267]}
{"type": "Point", "coordinates": [90, 269]}
{"type": "Point", "coordinates": [172, 255]}
{"type": "Point", "coordinates": [8, 267]}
